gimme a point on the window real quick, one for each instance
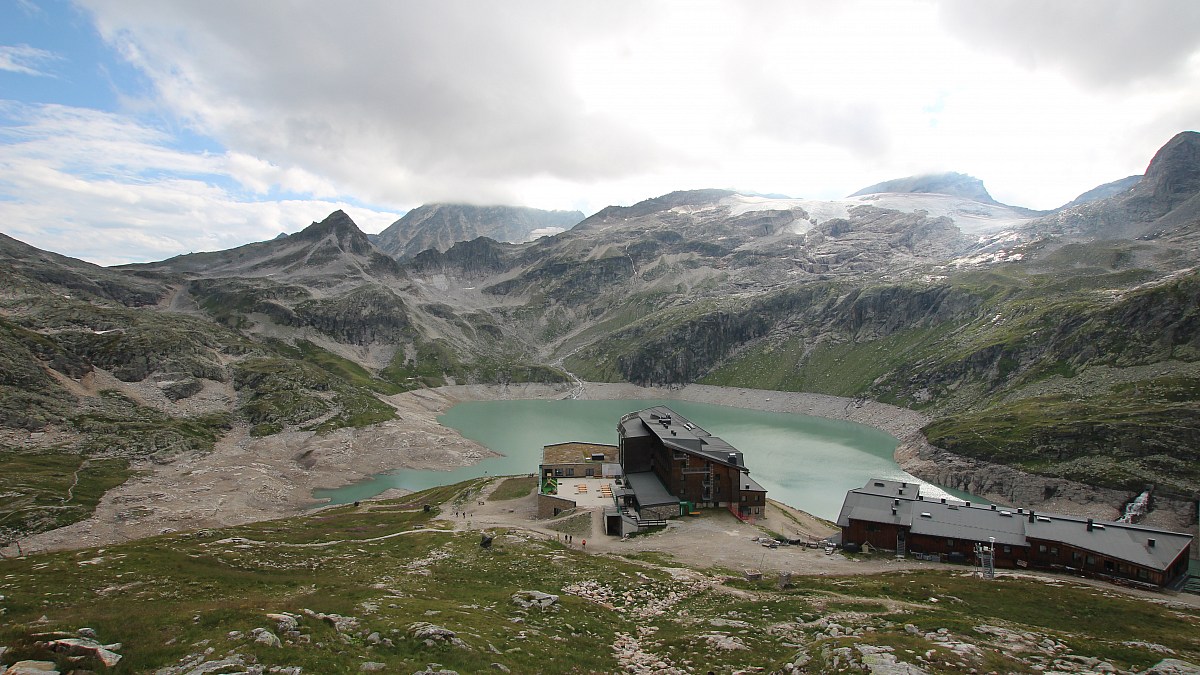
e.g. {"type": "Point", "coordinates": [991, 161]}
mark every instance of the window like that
{"type": "Point", "coordinates": [570, 472]}
{"type": "Point", "coordinates": [872, 527]}
{"type": "Point", "coordinates": [1091, 560]}
{"type": "Point", "coordinates": [950, 543]}
{"type": "Point", "coordinates": [558, 472]}
{"type": "Point", "coordinates": [590, 472]}
{"type": "Point", "coordinates": [1053, 550]}
{"type": "Point", "coordinates": [1008, 549]}
{"type": "Point", "coordinates": [1041, 548]}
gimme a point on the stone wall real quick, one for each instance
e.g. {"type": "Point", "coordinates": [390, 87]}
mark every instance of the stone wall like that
{"type": "Point", "coordinates": [548, 503]}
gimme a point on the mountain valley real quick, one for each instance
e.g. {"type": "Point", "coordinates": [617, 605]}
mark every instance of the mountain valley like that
{"type": "Point", "coordinates": [1063, 344]}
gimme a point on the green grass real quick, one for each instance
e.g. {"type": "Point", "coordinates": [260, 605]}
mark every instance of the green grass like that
{"type": "Point", "coordinates": [40, 492]}
{"type": "Point", "coordinates": [169, 597]}
{"type": "Point", "coordinates": [515, 488]}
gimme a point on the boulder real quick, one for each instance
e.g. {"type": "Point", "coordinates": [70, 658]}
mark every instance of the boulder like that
{"type": "Point", "coordinates": [433, 635]}
{"type": "Point", "coordinates": [530, 599]}
{"type": "Point", "coordinates": [32, 668]}
{"type": "Point", "coordinates": [266, 637]}
{"type": "Point", "coordinates": [1172, 667]}
{"type": "Point", "coordinates": [85, 647]}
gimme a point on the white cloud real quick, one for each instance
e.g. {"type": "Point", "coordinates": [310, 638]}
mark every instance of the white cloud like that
{"type": "Point", "coordinates": [26, 60]}
{"type": "Point", "coordinates": [107, 189]}
{"type": "Point", "coordinates": [596, 103]}
{"type": "Point", "coordinates": [584, 104]}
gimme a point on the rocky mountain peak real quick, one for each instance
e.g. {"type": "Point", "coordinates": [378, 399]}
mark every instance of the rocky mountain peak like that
{"type": "Point", "coordinates": [951, 183]}
{"type": "Point", "coordinates": [1174, 173]}
{"type": "Point", "coordinates": [340, 227]}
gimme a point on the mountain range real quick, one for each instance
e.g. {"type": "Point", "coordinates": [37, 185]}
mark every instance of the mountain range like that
{"type": "Point", "coordinates": [1062, 343]}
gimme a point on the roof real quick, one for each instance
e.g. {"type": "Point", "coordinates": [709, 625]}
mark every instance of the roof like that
{"type": "Point", "coordinates": [577, 453]}
{"type": "Point", "coordinates": [649, 489]}
{"type": "Point", "coordinates": [749, 484]}
{"type": "Point", "coordinates": [1117, 540]}
{"type": "Point", "coordinates": [950, 518]}
{"type": "Point", "coordinates": [678, 433]}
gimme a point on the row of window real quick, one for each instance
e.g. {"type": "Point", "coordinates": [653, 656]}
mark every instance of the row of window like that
{"type": "Point", "coordinates": [570, 471]}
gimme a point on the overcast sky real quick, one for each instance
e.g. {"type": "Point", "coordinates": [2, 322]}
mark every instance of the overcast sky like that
{"type": "Point", "coordinates": [137, 130]}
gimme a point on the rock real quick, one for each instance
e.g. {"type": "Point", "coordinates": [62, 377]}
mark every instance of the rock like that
{"type": "Point", "coordinates": [32, 668]}
{"type": "Point", "coordinates": [432, 635]}
{"type": "Point", "coordinates": [284, 622]}
{"type": "Point", "coordinates": [530, 599]}
{"type": "Point", "coordinates": [266, 637]}
{"type": "Point", "coordinates": [84, 647]}
{"type": "Point", "coordinates": [501, 667]}
{"type": "Point", "coordinates": [87, 633]}
{"type": "Point", "coordinates": [372, 667]}
{"type": "Point", "coordinates": [909, 628]}
{"type": "Point", "coordinates": [342, 624]}
{"type": "Point", "coordinates": [286, 670]}
{"type": "Point", "coordinates": [723, 642]}
{"type": "Point", "coordinates": [374, 638]}
{"type": "Point", "coordinates": [1172, 667]}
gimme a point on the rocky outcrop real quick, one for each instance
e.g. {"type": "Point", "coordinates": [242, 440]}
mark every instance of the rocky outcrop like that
{"type": "Point", "coordinates": [1007, 485]}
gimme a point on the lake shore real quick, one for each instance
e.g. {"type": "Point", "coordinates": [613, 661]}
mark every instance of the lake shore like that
{"type": "Point", "coordinates": [247, 479]}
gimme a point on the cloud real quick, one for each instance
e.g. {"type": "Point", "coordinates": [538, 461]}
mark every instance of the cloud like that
{"type": "Point", "coordinates": [308, 104]}
{"type": "Point", "coordinates": [1104, 42]}
{"type": "Point", "coordinates": [26, 60]}
{"type": "Point", "coordinates": [105, 188]}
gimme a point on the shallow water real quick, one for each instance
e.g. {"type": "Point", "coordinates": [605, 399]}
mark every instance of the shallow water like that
{"type": "Point", "coordinates": [806, 462]}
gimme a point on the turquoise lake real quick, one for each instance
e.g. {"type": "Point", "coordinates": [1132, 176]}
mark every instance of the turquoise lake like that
{"type": "Point", "coordinates": [806, 462]}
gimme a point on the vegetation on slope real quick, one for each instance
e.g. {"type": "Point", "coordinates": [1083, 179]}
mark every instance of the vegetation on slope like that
{"type": "Point", "coordinates": [381, 571]}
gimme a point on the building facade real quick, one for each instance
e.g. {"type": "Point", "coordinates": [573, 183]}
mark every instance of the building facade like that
{"type": "Point", "coordinates": [694, 468]}
{"type": "Point", "coordinates": [895, 516]}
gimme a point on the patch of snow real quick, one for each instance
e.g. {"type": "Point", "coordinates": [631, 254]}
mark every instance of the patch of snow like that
{"type": "Point", "coordinates": [970, 216]}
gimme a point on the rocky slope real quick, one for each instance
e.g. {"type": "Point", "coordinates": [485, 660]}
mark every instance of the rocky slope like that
{"type": "Point", "coordinates": [439, 226]}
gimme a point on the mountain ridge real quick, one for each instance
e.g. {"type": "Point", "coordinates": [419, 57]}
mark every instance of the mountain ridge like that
{"type": "Point", "coordinates": [971, 312]}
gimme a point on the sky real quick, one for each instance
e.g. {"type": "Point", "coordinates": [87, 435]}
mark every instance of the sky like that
{"type": "Point", "coordinates": [136, 130]}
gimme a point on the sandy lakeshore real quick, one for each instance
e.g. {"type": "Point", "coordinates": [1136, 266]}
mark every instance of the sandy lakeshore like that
{"type": "Point", "coordinates": [246, 479]}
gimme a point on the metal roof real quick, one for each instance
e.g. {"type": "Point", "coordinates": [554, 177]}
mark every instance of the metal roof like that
{"type": "Point", "coordinates": [749, 484]}
{"type": "Point", "coordinates": [1116, 540]}
{"type": "Point", "coordinates": [679, 433]}
{"type": "Point", "coordinates": [648, 489]}
{"type": "Point", "coordinates": [875, 501]}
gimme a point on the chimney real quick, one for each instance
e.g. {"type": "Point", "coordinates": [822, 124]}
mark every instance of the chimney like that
{"type": "Point", "coordinates": [904, 485]}
{"type": "Point", "coordinates": [1150, 542]}
{"type": "Point", "coordinates": [1089, 524]}
{"type": "Point", "coordinates": [993, 507]}
{"type": "Point", "coordinates": [894, 513]}
{"type": "Point", "coordinates": [943, 500]}
{"type": "Point", "coordinates": [966, 503]}
{"type": "Point", "coordinates": [1020, 510]}
{"type": "Point", "coordinates": [1031, 515]}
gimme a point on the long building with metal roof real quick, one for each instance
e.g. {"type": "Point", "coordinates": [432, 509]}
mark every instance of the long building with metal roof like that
{"type": "Point", "coordinates": [894, 515]}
